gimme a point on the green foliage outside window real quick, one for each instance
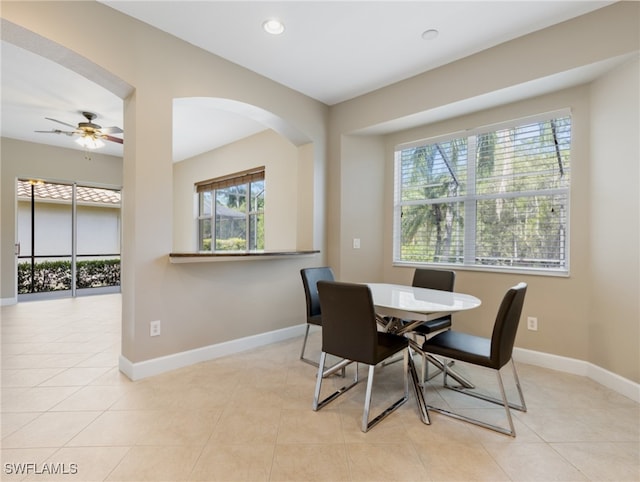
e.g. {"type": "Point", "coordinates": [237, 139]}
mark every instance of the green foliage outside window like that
{"type": "Point", "coordinates": [56, 275]}
{"type": "Point", "coordinates": [233, 216]}
{"type": "Point", "coordinates": [498, 198]}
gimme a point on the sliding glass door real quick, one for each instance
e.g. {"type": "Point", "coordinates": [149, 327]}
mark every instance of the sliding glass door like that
{"type": "Point", "coordinates": [68, 239]}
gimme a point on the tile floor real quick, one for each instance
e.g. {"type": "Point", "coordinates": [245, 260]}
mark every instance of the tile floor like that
{"type": "Point", "coordinates": [66, 409]}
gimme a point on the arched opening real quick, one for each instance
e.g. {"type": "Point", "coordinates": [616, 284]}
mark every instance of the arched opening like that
{"type": "Point", "coordinates": [215, 137]}
{"type": "Point", "coordinates": [44, 86]}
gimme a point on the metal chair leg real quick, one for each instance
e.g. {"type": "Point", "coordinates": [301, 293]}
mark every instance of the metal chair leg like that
{"type": "Point", "coordinates": [304, 346]}
{"type": "Point", "coordinates": [317, 403]}
{"type": "Point", "coordinates": [505, 403]}
{"type": "Point", "coordinates": [523, 405]}
{"type": "Point", "coordinates": [499, 401]}
{"type": "Point", "coordinates": [312, 362]}
{"type": "Point", "coordinates": [366, 425]}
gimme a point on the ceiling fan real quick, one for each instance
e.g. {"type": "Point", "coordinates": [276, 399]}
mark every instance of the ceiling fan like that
{"type": "Point", "coordinates": [91, 135]}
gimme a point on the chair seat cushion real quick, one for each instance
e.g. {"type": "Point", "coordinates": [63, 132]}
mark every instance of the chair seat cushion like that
{"type": "Point", "coordinates": [388, 344]}
{"type": "Point", "coordinates": [315, 320]}
{"type": "Point", "coordinates": [460, 346]}
{"type": "Point", "coordinates": [434, 325]}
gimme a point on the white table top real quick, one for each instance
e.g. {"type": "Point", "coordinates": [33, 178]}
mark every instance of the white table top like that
{"type": "Point", "coordinates": [418, 303]}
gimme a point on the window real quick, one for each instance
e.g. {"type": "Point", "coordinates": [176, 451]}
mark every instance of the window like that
{"type": "Point", "coordinates": [496, 197]}
{"type": "Point", "coordinates": [231, 212]}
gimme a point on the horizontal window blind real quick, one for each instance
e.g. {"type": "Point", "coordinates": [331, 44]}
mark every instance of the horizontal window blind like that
{"type": "Point", "coordinates": [494, 197]}
{"type": "Point", "coordinates": [433, 171]}
{"type": "Point", "coordinates": [530, 157]}
{"type": "Point", "coordinates": [243, 177]}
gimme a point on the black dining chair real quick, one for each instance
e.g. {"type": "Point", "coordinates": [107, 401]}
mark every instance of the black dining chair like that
{"type": "Point", "coordinates": [493, 353]}
{"type": "Point", "coordinates": [434, 279]}
{"type": "Point", "coordinates": [349, 331]}
{"type": "Point", "coordinates": [310, 278]}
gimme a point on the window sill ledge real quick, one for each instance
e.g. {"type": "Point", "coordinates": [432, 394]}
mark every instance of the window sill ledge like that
{"type": "Point", "coordinates": [235, 256]}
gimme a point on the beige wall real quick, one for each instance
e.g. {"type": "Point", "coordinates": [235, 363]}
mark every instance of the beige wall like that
{"type": "Point", "coordinates": [283, 187]}
{"type": "Point", "coordinates": [599, 300]}
{"type": "Point", "coordinates": [494, 73]}
{"type": "Point", "coordinates": [362, 182]}
{"type": "Point", "coordinates": [614, 222]}
{"type": "Point", "coordinates": [205, 304]}
{"type": "Point", "coordinates": [596, 302]}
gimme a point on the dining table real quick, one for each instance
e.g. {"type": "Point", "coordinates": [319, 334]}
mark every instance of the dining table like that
{"type": "Point", "coordinates": [401, 308]}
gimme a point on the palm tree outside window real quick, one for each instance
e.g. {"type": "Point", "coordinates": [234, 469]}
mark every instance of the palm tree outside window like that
{"type": "Point", "coordinates": [496, 198]}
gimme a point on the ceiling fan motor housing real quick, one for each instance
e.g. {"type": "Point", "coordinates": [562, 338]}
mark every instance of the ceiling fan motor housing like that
{"type": "Point", "coordinates": [88, 126]}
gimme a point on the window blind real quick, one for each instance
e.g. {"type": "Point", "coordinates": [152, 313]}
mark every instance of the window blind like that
{"type": "Point", "coordinates": [494, 197]}
{"type": "Point", "coordinates": [243, 177]}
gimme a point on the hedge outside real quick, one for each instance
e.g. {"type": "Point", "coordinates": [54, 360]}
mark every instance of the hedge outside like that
{"type": "Point", "coordinates": [56, 275]}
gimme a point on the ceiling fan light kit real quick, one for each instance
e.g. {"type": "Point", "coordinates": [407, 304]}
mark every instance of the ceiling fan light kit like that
{"type": "Point", "coordinates": [91, 135]}
{"type": "Point", "coordinates": [90, 142]}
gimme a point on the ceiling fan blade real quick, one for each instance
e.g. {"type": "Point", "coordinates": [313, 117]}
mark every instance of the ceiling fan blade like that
{"type": "Point", "coordinates": [60, 122]}
{"type": "Point", "coordinates": [57, 131]}
{"type": "Point", "coordinates": [112, 139]}
{"type": "Point", "coordinates": [111, 130]}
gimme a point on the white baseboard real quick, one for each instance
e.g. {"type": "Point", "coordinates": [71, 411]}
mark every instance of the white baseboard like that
{"type": "Point", "coordinates": [598, 374]}
{"type": "Point", "coordinates": [8, 301]}
{"type": "Point", "coordinates": [156, 366]}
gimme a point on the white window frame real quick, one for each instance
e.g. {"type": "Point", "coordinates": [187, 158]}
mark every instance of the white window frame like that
{"type": "Point", "coordinates": [246, 178]}
{"type": "Point", "coordinates": [470, 198]}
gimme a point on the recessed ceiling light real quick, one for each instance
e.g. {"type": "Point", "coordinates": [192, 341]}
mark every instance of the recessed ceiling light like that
{"type": "Point", "coordinates": [273, 26]}
{"type": "Point", "coordinates": [430, 34]}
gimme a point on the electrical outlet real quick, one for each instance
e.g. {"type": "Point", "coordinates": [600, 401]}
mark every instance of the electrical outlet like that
{"type": "Point", "coordinates": [356, 243]}
{"type": "Point", "coordinates": [532, 323]}
{"type": "Point", "coordinates": [154, 328]}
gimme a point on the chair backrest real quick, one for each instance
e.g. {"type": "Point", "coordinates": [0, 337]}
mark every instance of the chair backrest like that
{"type": "Point", "coordinates": [506, 325]}
{"type": "Point", "coordinates": [310, 278]}
{"type": "Point", "coordinates": [434, 279]}
{"type": "Point", "coordinates": [348, 321]}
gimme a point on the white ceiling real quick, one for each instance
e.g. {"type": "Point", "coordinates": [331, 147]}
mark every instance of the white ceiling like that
{"type": "Point", "coordinates": [330, 50]}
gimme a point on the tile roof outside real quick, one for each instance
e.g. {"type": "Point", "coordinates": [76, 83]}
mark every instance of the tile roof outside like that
{"type": "Point", "coordinates": [63, 192]}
